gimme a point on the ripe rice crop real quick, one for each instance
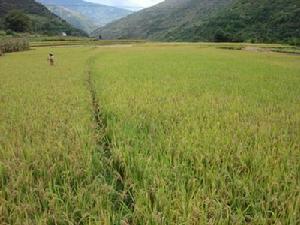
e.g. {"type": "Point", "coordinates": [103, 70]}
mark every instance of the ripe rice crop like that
{"type": "Point", "coordinates": [149, 134]}
{"type": "Point", "coordinates": [206, 136]}
{"type": "Point", "coordinates": [13, 45]}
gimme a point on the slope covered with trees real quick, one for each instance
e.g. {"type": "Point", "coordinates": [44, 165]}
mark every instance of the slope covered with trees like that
{"type": "Point", "coordinates": [163, 18]}
{"type": "Point", "coordinates": [246, 20]}
{"type": "Point", "coordinates": [216, 20]}
{"type": "Point", "coordinates": [40, 19]}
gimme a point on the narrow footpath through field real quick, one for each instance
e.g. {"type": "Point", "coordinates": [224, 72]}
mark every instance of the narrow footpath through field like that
{"type": "Point", "coordinates": [114, 169]}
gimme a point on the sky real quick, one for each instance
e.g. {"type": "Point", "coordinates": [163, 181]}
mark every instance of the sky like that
{"type": "Point", "coordinates": [128, 4]}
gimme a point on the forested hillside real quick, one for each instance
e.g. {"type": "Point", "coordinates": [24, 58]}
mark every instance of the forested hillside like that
{"type": "Point", "coordinates": [247, 20]}
{"type": "Point", "coordinates": [157, 21]}
{"type": "Point", "coordinates": [40, 19]}
{"type": "Point", "coordinates": [215, 20]}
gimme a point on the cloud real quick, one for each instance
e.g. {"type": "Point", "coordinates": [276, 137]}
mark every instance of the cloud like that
{"type": "Point", "coordinates": [129, 4]}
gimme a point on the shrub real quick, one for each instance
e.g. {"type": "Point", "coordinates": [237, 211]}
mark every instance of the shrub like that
{"type": "Point", "coordinates": [2, 33]}
{"type": "Point", "coordinates": [221, 36]}
{"type": "Point", "coordinates": [294, 41]}
{"type": "Point", "coordinates": [10, 32]}
{"type": "Point", "coordinates": [13, 45]}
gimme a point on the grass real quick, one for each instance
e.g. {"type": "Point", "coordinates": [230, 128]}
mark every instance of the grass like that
{"type": "Point", "coordinates": [149, 134]}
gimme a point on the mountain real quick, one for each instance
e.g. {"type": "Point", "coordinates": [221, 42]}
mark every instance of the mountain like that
{"type": "Point", "coordinates": [73, 17]}
{"type": "Point", "coordinates": [85, 15]}
{"type": "Point", "coordinates": [155, 22]}
{"type": "Point", "coordinates": [210, 20]}
{"type": "Point", "coordinates": [42, 20]}
{"type": "Point", "coordinates": [256, 21]}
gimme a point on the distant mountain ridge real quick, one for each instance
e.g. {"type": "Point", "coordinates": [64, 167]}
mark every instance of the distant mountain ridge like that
{"type": "Point", "coordinates": [156, 21]}
{"type": "Point", "coordinates": [43, 21]}
{"type": "Point", "coordinates": [73, 17]}
{"type": "Point", "coordinates": [210, 20]}
{"type": "Point", "coordinates": [85, 15]}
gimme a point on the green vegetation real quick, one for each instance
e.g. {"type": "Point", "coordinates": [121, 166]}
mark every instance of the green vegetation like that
{"type": "Point", "coordinates": [159, 21]}
{"type": "Point", "coordinates": [71, 41]}
{"type": "Point", "coordinates": [212, 20]}
{"type": "Point", "coordinates": [41, 21]}
{"type": "Point", "coordinates": [255, 21]}
{"type": "Point", "coordinates": [150, 134]}
{"type": "Point", "coordinates": [17, 21]}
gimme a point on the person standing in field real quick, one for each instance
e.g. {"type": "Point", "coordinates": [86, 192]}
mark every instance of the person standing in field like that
{"type": "Point", "coordinates": [51, 59]}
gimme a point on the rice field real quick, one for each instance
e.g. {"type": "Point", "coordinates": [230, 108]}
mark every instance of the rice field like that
{"type": "Point", "coordinates": [149, 134]}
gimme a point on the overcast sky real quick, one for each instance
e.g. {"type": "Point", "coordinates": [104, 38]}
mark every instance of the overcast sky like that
{"type": "Point", "coordinates": [129, 4]}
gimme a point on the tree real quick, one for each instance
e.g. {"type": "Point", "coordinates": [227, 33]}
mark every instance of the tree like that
{"type": "Point", "coordinates": [17, 21]}
{"type": "Point", "coordinates": [221, 36]}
